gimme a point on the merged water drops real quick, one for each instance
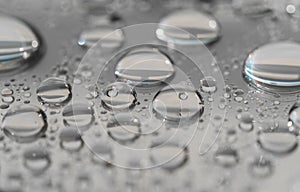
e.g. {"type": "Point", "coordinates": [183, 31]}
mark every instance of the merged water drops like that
{"type": "Point", "coordinates": [37, 160]}
{"type": "Point", "coordinates": [190, 24]}
{"type": "Point", "coordinates": [294, 115]}
{"type": "Point", "coordinates": [110, 37]}
{"type": "Point", "coordinates": [17, 43]}
{"type": "Point", "coordinates": [124, 128]}
{"type": "Point", "coordinates": [80, 115]}
{"type": "Point", "coordinates": [274, 66]}
{"type": "Point", "coordinates": [118, 96]}
{"type": "Point", "coordinates": [54, 92]}
{"type": "Point", "coordinates": [144, 65]}
{"type": "Point", "coordinates": [24, 123]}
{"type": "Point", "coordinates": [177, 102]}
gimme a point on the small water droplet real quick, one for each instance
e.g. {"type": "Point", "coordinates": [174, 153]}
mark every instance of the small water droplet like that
{"type": "Point", "coordinates": [70, 139]}
{"type": "Point", "coordinates": [226, 156]}
{"type": "Point", "coordinates": [54, 92]}
{"type": "Point", "coordinates": [37, 160]}
{"type": "Point", "coordinates": [118, 96]}
{"type": "Point", "coordinates": [168, 104]}
{"type": "Point", "coordinates": [261, 167]}
{"type": "Point", "coordinates": [208, 85]}
{"type": "Point", "coordinates": [246, 122]}
{"type": "Point", "coordinates": [294, 115]}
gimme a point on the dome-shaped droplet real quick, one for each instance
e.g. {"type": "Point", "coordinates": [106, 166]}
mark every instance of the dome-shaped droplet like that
{"type": "Point", "coordinates": [124, 128]}
{"type": "Point", "coordinates": [54, 92]}
{"type": "Point", "coordinates": [226, 156]}
{"type": "Point", "coordinates": [275, 65]}
{"type": "Point", "coordinates": [169, 156]}
{"type": "Point", "coordinates": [37, 160]}
{"type": "Point", "coordinates": [192, 24]}
{"type": "Point", "coordinates": [294, 115]}
{"type": "Point", "coordinates": [17, 43]}
{"type": "Point", "coordinates": [118, 96]}
{"type": "Point", "coordinates": [70, 139]}
{"type": "Point", "coordinates": [144, 65]}
{"type": "Point", "coordinates": [278, 141]}
{"type": "Point", "coordinates": [78, 115]}
{"type": "Point", "coordinates": [24, 123]}
{"type": "Point", "coordinates": [175, 103]}
{"type": "Point", "coordinates": [110, 37]}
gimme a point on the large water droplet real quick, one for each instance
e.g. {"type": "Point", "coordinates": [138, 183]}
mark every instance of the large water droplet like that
{"type": "Point", "coordinates": [275, 65]}
{"type": "Point", "coordinates": [144, 65]}
{"type": "Point", "coordinates": [24, 123]}
{"type": "Point", "coordinates": [36, 160]}
{"type": "Point", "coordinates": [175, 103]}
{"type": "Point", "coordinates": [118, 96]}
{"type": "Point", "coordinates": [54, 92]}
{"type": "Point", "coordinates": [193, 24]}
{"type": "Point", "coordinates": [78, 115]}
{"type": "Point", "coordinates": [294, 115]}
{"type": "Point", "coordinates": [17, 43]}
{"type": "Point", "coordinates": [110, 37]}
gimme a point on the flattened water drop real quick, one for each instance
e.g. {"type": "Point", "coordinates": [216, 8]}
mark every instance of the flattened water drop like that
{"type": "Point", "coordinates": [274, 66]}
{"type": "Point", "coordinates": [191, 24]}
{"type": "Point", "coordinates": [17, 43]}
{"type": "Point", "coordinates": [54, 92]}
{"type": "Point", "coordinates": [144, 66]}
{"type": "Point", "coordinates": [110, 37]}
{"type": "Point", "coordinates": [24, 123]}
{"type": "Point", "coordinates": [118, 96]}
{"type": "Point", "coordinates": [177, 102]}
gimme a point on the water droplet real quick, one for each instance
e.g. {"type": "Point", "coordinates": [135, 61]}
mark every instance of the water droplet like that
{"type": "Point", "coordinates": [102, 152]}
{"type": "Point", "coordinates": [275, 65]}
{"type": "Point", "coordinates": [192, 24]}
{"type": "Point", "coordinates": [70, 139]}
{"type": "Point", "coordinates": [168, 103]}
{"type": "Point", "coordinates": [246, 122]}
{"type": "Point", "coordinates": [37, 160]}
{"type": "Point", "coordinates": [110, 37]}
{"type": "Point", "coordinates": [294, 115]}
{"type": "Point", "coordinates": [208, 85]}
{"type": "Point", "coordinates": [6, 92]}
{"type": "Point", "coordinates": [17, 43]}
{"type": "Point", "coordinates": [252, 8]}
{"type": "Point", "coordinates": [78, 115]}
{"type": "Point", "coordinates": [124, 128]}
{"type": "Point", "coordinates": [226, 156]}
{"type": "Point", "coordinates": [144, 66]}
{"type": "Point", "coordinates": [278, 141]}
{"type": "Point", "coordinates": [261, 167]}
{"type": "Point", "coordinates": [169, 156]}
{"type": "Point", "coordinates": [118, 96]}
{"type": "Point", "coordinates": [24, 123]}
{"type": "Point", "coordinates": [54, 92]}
